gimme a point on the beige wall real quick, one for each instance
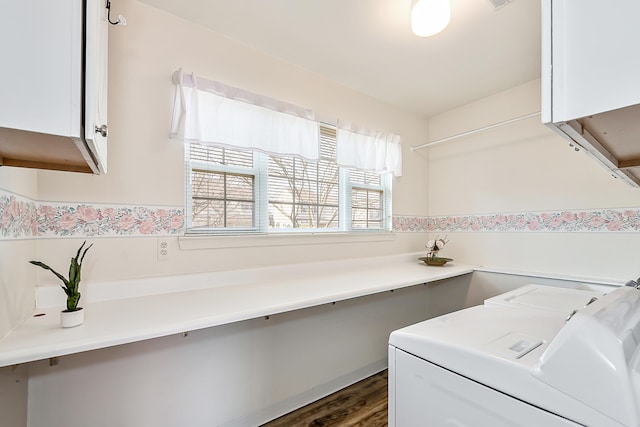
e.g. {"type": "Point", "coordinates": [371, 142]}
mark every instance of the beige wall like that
{"type": "Point", "coordinates": [17, 279]}
{"type": "Point", "coordinates": [145, 167]}
{"type": "Point", "coordinates": [525, 167]}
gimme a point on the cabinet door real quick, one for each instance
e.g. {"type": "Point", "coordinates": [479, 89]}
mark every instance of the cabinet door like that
{"type": "Point", "coordinates": [41, 72]}
{"type": "Point", "coordinates": [594, 56]}
{"type": "Point", "coordinates": [96, 81]}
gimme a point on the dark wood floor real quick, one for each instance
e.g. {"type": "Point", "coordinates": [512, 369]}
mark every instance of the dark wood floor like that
{"type": "Point", "coordinates": [363, 404]}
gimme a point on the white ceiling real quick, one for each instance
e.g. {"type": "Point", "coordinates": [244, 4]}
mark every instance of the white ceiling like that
{"type": "Point", "coordinates": [367, 45]}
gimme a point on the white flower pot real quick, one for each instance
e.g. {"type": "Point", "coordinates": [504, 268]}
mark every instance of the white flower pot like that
{"type": "Point", "coordinates": [69, 319]}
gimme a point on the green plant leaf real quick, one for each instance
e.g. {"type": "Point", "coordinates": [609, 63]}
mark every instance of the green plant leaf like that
{"type": "Point", "coordinates": [84, 253]}
{"type": "Point", "coordinates": [71, 285]}
{"type": "Point", "coordinates": [73, 267]}
{"type": "Point", "coordinates": [72, 302]}
{"type": "Point", "coordinates": [46, 267]}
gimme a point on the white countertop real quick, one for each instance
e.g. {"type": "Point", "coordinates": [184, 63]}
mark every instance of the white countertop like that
{"type": "Point", "coordinates": [164, 306]}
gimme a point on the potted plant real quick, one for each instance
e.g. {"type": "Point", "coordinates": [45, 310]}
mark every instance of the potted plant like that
{"type": "Point", "coordinates": [433, 247]}
{"type": "Point", "coordinates": [73, 315]}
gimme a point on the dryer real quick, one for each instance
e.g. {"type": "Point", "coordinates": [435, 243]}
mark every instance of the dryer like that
{"type": "Point", "coordinates": [505, 365]}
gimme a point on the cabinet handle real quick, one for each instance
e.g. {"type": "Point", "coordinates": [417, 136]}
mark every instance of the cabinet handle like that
{"type": "Point", "coordinates": [102, 130]}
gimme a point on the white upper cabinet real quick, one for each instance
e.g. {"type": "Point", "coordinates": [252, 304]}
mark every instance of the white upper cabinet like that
{"type": "Point", "coordinates": [591, 79]}
{"type": "Point", "coordinates": [53, 84]}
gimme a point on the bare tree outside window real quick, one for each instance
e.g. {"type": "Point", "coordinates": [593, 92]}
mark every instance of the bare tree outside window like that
{"type": "Point", "coordinates": [221, 199]}
{"type": "Point", "coordinates": [304, 194]}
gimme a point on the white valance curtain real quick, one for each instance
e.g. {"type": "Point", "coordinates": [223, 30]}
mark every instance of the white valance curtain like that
{"type": "Point", "coordinates": [210, 112]}
{"type": "Point", "coordinates": [368, 149]}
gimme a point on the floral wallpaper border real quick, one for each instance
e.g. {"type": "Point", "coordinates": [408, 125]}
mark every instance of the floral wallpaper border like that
{"type": "Point", "coordinates": [23, 218]}
{"type": "Point", "coordinates": [63, 220]}
{"type": "Point", "coordinates": [18, 217]}
{"type": "Point", "coordinates": [602, 220]}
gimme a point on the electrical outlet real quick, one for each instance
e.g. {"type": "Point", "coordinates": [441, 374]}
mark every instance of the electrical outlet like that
{"type": "Point", "coordinates": [163, 249]}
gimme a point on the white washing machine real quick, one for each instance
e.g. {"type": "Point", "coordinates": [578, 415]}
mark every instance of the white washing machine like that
{"type": "Point", "coordinates": [507, 365]}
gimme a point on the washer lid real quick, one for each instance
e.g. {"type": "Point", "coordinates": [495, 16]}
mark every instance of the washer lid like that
{"type": "Point", "coordinates": [478, 335]}
{"type": "Point", "coordinates": [545, 298]}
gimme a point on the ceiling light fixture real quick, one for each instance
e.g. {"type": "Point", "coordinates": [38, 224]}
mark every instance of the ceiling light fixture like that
{"type": "Point", "coordinates": [429, 17]}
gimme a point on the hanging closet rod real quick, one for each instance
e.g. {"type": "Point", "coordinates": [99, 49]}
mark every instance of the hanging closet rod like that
{"type": "Point", "coordinates": [471, 132]}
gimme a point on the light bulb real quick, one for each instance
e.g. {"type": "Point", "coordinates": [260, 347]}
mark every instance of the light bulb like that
{"type": "Point", "coordinates": [429, 17]}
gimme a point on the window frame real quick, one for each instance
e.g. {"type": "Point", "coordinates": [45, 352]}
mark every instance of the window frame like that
{"type": "Point", "coordinates": [260, 173]}
{"type": "Point", "coordinates": [254, 171]}
{"type": "Point", "coordinates": [384, 186]}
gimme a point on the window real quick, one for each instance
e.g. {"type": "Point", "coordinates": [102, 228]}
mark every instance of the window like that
{"type": "Point", "coordinates": [221, 189]}
{"type": "Point", "coordinates": [367, 200]}
{"type": "Point", "coordinates": [230, 190]}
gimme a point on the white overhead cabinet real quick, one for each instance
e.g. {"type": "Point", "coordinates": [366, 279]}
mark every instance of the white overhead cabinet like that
{"type": "Point", "coordinates": [53, 85]}
{"type": "Point", "coordinates": [591, 79]}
